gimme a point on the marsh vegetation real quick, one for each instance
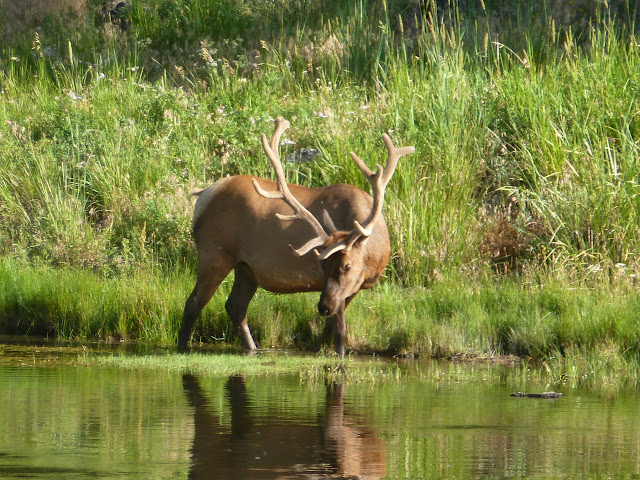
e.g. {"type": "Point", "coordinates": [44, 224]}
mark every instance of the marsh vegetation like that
{"type": "Point", "coordinates": [515, 227]}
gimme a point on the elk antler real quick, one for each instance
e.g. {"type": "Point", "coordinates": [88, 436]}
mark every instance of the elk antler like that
{"type": "Point", "coordinates": [378, 182]}
{"type": "Point", "coordinates": [283, 192]}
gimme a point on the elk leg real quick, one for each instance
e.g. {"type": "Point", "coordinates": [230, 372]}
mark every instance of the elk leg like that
{"type": "Point", "coordinates": [207, 283]}
{"type": "Point", "coordinates": [335, 327]}
{"type": "Point", "coordinates": [243, 290]}
{"type": "Point", "coordinates": [339, 333]}
{"type": "Point", "coordinates": [327, 332]}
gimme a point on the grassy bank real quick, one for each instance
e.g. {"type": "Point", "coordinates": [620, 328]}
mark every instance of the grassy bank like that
{"type": "Point", "coordinates": [455, 317]}
{"type": "Point", "coordinates": [515, 226]}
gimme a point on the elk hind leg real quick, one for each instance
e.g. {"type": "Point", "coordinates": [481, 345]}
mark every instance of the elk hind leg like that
{"type": "Point", "coordinates": [243, 290]}
{"type": "Point", "coordinates": [207, 283]}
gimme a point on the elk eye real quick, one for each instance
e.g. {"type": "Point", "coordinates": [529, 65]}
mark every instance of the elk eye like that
{"type": "Point", "coordinates": [346, 267]}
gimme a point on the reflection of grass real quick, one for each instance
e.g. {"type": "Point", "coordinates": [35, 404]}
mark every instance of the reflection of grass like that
{"type": "Point", "coordinates": [38, 354]}
{"type": "Point", "coordinates": [579, 369]}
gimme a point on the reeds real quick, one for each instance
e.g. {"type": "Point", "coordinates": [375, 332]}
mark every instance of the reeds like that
{"type": "Point", "coordinates": [526, 136]}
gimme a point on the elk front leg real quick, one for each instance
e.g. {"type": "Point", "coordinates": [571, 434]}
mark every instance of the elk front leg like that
{"type": "Point", "coordinates": [336, 327]}
{"type": "Point", "coordinates": [339, 333]}
{"type": "Point", "coordinates": [243, 290]}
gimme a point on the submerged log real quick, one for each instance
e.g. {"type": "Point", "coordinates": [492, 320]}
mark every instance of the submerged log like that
{"type": "Point", "coordinates": [538, 395]}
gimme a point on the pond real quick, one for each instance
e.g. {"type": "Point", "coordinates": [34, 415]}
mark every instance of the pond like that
{"type": "Point", "coordinates": [72, 421]}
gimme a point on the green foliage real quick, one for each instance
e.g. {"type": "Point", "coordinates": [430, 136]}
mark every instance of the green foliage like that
{"type": "Point", "coordinates": [525, 151]}
{"type": "Point", "coordinates": [526, 135]}
{"type": "Point", "coordinates": [455, 318]}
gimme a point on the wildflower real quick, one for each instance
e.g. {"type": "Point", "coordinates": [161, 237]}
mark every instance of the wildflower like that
{"type": "Point", "coordinates": [206, 56]}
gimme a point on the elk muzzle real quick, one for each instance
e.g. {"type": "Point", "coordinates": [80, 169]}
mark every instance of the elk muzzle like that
{"type": "Point", "coordinates": [329, 304]}
{"type": "Point", "coordinates": [323, 309]}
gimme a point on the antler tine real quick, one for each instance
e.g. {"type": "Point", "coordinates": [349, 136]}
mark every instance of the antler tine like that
{"type": "Point", "coordinates": [281, 126]}
{"type": "Point", "coordinates": [283, 192]}
{"type": "Point", "coordinates": [393, 156]}
{"type": "Point", "coordinates": [378, 182]}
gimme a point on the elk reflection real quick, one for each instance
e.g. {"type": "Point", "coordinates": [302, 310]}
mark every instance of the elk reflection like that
{"type": "Point", "coordinates": [266, 447]}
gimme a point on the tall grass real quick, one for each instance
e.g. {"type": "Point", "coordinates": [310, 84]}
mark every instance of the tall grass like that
{"type": "Point", "coordinates": [575, 329]}
{"type": "Point", "coordinates": [526, 135]}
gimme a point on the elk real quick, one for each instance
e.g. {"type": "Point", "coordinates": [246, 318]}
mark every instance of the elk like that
{"type": "Point", "coordinates": [250, 225]}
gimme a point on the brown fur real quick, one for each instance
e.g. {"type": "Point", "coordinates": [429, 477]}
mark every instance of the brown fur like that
{"type": "Point", "coordinates": [272, 236]}
{"type": "Point", "coordinates": [236, 229]}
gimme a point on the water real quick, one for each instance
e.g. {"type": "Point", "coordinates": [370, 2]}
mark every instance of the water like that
{"type": "Point", "coordinates": [78, 422]}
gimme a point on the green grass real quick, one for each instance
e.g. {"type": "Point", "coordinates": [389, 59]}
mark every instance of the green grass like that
{"type": "Point", "coordinates": [526, 152]}
{"type": "Point", "coordinates": [515, 226]}
{"type": "Point", "coordinates": [547, 322]}
{"type": "Point", "coordinates": [594, 369]}
{"type": "Point", "coordinates": [232, 364]}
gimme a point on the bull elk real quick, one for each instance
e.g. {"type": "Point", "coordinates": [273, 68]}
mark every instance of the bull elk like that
{"type": "Point", "coordinates": [250, 225]}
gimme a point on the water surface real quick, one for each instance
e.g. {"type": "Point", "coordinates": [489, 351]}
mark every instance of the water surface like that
{"type": "Point", "coordinates": [68, 422]}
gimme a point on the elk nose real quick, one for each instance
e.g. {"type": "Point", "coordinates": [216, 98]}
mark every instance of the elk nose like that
{"type": "Point", "coordinates": [323, 309]}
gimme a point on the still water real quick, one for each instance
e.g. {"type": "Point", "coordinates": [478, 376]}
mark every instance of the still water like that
{"type": "Point", "coordinates": [79, 422]}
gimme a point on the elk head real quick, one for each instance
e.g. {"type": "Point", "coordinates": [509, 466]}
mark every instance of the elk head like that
{"type": "Point", "coordinates": [342, 253]}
